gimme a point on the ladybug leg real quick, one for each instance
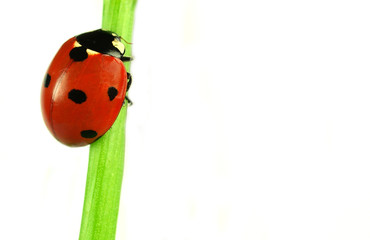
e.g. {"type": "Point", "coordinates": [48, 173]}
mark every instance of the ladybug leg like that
{"type": "Point", "coordinates": [128, 101]}
{"type": "Point", "coordinates": [129, 81]}
{"type": "Point", "coordinates": [126, 59]}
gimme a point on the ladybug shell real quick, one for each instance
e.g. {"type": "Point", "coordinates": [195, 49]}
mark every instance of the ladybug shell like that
{"type": "Point", "coordinates": [82, 94]}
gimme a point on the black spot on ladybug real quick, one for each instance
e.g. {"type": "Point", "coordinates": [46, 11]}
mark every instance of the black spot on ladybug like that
{"type": "Point", "coordinates": [77, 96]}
{"type": "Point", "coordinates": [88, 134]}
{"type": "Point", "coordinates": [112, 93]}
{"type": "Point", "coordinates": [47, 80]}
{"type": "Point", "coordinates": [78, 54]}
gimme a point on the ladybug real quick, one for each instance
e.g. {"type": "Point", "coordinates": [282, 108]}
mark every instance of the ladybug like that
{"type": "Point", "coordinates": [85, 87]}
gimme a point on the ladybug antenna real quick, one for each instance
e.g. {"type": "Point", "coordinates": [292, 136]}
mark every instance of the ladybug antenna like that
{"type": "Point", "coordinates": [121, 38]}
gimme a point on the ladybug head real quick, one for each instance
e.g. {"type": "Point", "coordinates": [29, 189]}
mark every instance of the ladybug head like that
{"type": "Point", "coordinates": [101, 41]}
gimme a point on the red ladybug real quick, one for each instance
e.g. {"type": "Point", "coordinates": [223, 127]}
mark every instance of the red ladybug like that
{"type": "Point", "coordinates": [85, 87]}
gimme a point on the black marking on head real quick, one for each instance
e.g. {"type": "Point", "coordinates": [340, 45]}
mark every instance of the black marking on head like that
{"type": "Point", "coordinates": [47, 80]}
{"type": "Point", "coordinates": [88, 134]}
{"type": "Point", "coordinates": [77, 96]}
{"type": "Point", "coordinates": [78, 54]}
{"type": "Point", "coordinates": [100, 41]}
{"type": "Point", "coordinates": [112, 93]}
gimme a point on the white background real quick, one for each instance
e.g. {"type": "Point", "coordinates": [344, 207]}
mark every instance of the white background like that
{"type": "Point", "coordinates": [251, 120]}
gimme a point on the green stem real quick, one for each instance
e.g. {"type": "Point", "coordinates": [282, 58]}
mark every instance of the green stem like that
{"type": "Point", "coordinates": [106, 160]}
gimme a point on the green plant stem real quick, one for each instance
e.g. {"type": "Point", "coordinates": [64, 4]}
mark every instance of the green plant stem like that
{"type": "Point", "coordinates": [106, 159]}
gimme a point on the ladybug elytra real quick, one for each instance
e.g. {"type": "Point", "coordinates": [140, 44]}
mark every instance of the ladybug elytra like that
{"type": "Point", "coordinates": [85, 87]}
